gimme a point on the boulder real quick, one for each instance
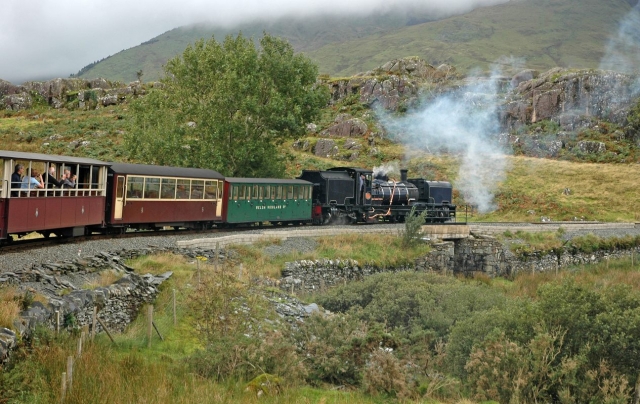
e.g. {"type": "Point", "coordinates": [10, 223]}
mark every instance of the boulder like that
{"type": "Point", "coordinates": [346, 128]}
{"type": "Point", "coordinates": [16, 102]}
{"type": "Point", "coordinates": [7, 88]}
{"type": "Point", "coordinates": [325, 148]}
{"type": "Point", "coordinates": [522, 76]}
{"type": "Point", "coordinates": [591, 147]}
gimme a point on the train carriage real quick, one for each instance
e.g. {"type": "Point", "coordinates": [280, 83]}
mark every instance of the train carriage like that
{"type": "Point", "coordinates": [52, 209]}
{"type": "Point", "coordinates": [258, 200]}
{"type": "Point", "coordinates": [151, 197]}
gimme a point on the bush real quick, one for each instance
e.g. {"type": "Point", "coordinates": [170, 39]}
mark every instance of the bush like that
{"type": "Point", "coordinates": [385, 374]}
{"type": "Point", "coordinates": [337, 348]}
{"type": "Point", "coordinates": [413, 227]}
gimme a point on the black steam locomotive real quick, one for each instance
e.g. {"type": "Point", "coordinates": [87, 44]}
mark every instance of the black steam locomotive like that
{"type": "Point", "coordinates": [354, 195]}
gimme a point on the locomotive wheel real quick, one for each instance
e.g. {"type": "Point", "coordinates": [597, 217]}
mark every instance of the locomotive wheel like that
{"type": "Point", "coordinates": [326, 219]}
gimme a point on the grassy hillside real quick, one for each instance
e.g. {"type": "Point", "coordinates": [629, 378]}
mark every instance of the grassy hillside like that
{"type": "Point", "coordinates": [542, 33]}
{"type": "Point", "coordinates": [304, 35]}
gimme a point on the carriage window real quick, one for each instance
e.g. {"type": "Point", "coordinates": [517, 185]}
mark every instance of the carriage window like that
{"type": "Point", "coordinates": [183, 189]}
{"type": "Point", "coordinates": [135, 186]}
{"type": "Point", "coordinates": [241, 195]}
{"type": "Point", "coordinates": [290, 192]}
{"type": "Point", "coordinates": [273, 192]}
{"type": "Point", "coordinates": [1, 174]}
{"type": "Point", "coordinates": [197, 189]}
{"type": "Point", "coordinates": [267, 192]}
{"type": "Point", "coordinates": [210, 190]}
{"type": "Point", "coordinates": [151, 188]}
{"type": "Point", "coordinates": [233, 192]}
{"type": "Point", "coordinates": [168, 190]}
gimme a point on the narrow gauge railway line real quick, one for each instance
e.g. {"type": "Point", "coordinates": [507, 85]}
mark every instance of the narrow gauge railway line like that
{"type": "Point", "coordinates": [490, 227]}
{"type": "Point", "coordinates": [55, 250]}
{"type": "Point", "coordinates": [26, 245]}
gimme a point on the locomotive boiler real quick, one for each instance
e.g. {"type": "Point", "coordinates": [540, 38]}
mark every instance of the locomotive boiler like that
{"type": "Point", "coordinates": [346, 194]}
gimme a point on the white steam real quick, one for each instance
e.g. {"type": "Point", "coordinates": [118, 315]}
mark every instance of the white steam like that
{"type": "Point", "coordinates": [622, 53]}
{"type": "Point", "coordinates": [461, 123]}
{"type": "Point", "coordinates": [391, 170]}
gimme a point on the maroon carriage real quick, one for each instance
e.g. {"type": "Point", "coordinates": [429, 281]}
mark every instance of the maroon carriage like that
{"type": "Point", "coordinates": [152, 197]}
{"type": "Point", "coordinates": [50, 194]}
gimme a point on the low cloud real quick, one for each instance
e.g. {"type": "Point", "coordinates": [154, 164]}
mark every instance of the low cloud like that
{"type": "Point", "coordinates": [41, 39]}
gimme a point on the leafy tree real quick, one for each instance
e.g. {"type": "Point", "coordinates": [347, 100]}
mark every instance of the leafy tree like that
{"type": "Point", "coordinates": [226, 106]}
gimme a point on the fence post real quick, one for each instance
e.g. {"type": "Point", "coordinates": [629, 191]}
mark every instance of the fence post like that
{"type": "Point", "coordinates": [82, 336]}
{"type": "Point", "coordinates": [69, 372]}
{"type": "Point", "coordinates": [94, 322]}
{"type": "Point", "coordinates": [57, 322]}
{"type": "Point", "coordinates": [104, 327]}
{"type": "Point", "coordinates": [150, 324]}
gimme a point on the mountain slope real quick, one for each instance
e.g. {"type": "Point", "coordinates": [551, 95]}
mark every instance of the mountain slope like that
{"type": "Point", "coordinates": [538, 33]}
{"type": "Point", "coordinates": [303, 34]}
{"type": "Point", "coordinates": [541, 33]}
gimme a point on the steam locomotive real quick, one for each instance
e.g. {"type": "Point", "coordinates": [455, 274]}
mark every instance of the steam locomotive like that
{"type": "Point", "coordinates": [345, 194]}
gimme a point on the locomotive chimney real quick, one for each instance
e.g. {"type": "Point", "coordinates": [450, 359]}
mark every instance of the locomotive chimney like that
{"type": "Point", "coordinates": [403, 175]}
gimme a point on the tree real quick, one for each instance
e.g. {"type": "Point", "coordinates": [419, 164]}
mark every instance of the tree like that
{"type": "Point", "coordinates": [227, 106]}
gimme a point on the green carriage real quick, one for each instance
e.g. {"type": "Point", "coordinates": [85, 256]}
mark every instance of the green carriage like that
{"type": "Point", "coordinates": [259, 200]}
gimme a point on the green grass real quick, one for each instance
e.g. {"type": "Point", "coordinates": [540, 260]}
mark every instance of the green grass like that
{"type": "Point", "coordinates": [61, 131]}
{"type": "Point", "coordinates": [363, 248]}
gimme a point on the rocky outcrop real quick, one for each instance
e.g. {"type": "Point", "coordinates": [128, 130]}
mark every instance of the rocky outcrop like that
{"type": "Point", "coordinates": [68, 93]}
{"type": "Point", "coordinates": [393, 86]}
{"type": "Point", "coordinates": [346, 126]}
{"type": "Point", "coordinates": [567, 96]}
{"type": "Point", "coordinates": [325, 148]}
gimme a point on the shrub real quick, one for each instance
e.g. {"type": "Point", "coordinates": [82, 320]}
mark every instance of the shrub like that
{"type": "Point", "coordinates": [385, 374]}
{"type": "Point", "coordinates": [413, 227]}
{"type": "Point", "coordinates": [336, 348]}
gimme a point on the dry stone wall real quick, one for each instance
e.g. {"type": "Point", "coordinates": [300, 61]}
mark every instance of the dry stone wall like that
{"type": "Point", "coordinates": [468, 257]}
{"type": "Point", "coordinates": [117, 304]}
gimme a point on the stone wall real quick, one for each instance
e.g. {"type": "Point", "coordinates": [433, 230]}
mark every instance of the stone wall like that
{"type": "Point", "coordinates": [117, 304]}
{"type": "Point", "coordinates": [466, 257]}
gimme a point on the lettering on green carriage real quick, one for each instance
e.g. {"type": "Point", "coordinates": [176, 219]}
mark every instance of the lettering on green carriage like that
{"type": "Point", "coordinates": [270, 207]}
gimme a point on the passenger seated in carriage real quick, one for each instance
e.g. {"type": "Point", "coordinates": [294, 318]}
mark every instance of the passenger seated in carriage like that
{"type": "Point", "coordinates": [32, 180]}
{"type": "Point", "coordinates": [16, 180]}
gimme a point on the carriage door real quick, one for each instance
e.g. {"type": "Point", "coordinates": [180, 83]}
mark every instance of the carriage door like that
{"type": "Point", "coordinates": [117, 207]}
{"type": "Point", "coordinates": [219, 187]}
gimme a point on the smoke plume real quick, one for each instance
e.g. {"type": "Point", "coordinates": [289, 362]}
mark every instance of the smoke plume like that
{"type": "Point", "coordinates": [622, 53]}
{"type": "Point", "coordinates": [461, 123]}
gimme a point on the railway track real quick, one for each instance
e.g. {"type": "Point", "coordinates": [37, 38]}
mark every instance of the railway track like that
{"type": "Point", "coordinates": [43, 242]}
{"type": "Point", "coordinates": [488, 227]}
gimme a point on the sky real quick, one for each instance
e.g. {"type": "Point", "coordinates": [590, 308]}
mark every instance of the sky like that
{"type": "Point", "coordinates": [43, 39]}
